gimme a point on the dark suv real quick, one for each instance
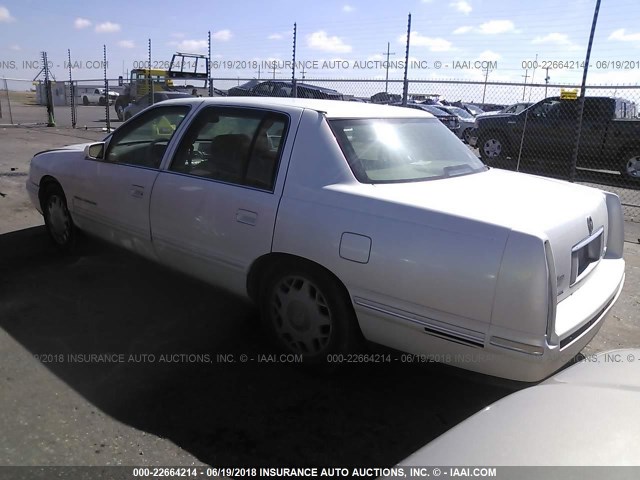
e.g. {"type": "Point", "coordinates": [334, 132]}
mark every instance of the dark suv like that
{"type": "Point", "coordinates": [276, 88]}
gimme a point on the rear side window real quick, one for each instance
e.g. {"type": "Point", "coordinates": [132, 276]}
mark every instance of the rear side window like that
{"type": "Point", "coordinates": [236, 146]}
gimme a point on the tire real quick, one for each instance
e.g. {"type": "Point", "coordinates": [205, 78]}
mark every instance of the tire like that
{"type": "Point", "coordinates": [308, 312]}
{"type": "Point", "coordinates": [494, 149]}
{"type": "Point", "coordinates": [119, 107]}
{"type": "Point", "coordinates": [57, 218]}
{"type": "Point", "coordinates": [466, 134]}
{"type": "Point", "coordinates": [630, 168]}
{"type": "Point", "coordinates": [127, 116]}
{"type": "Point", "coordinates": [85, 101]}
{"type": "Point", "coordinates": [101, 101]}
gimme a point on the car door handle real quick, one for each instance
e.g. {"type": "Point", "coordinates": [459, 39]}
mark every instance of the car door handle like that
{"type": "Point", "coordinates": [137, 191]}
{"type": "Point", "coordinates": [247, 217]}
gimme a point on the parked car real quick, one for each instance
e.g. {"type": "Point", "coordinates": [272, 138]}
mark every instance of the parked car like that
{"type": "Point", "coordinates": [466, 120]}
{"type": "Point", "coordinates": [345, 221]}
{"type": "Point", "coordinates": [450, 120]}
{"type": "Point", "coordinates": [515, 108]}
{"type": "Point", "coordinates": [546, 131]}
{"type": "Point", "coordinates": [386, 98]}
{"type": "Point", "coordinates": [97, 97]}
{"type": "Point", "coordinates": [141, 103]}
{"type": "Point", "coordinates": [273, 88]}
{"type": "Point", "coordinates": [592, 406]}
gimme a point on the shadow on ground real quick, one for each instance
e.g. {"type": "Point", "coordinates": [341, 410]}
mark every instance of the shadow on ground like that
{"type": "Point", "coordinates": [106, 301]}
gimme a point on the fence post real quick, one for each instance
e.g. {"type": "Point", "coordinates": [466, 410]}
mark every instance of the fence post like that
{"type": "Point", "coordinates": [294, 91]}
{"type": "Point", "coordinates": [106, 88]}
{"type": "Point", "coordinates": [210, 85]}
{"type": "Point", "coordinates": [574, 159]}
{"type": "Point", "coordinates": [72, 93]}
{"type": "Point", "coordinates": [6, 89]}
{"type": "Point", "coordinates": [405, 87]}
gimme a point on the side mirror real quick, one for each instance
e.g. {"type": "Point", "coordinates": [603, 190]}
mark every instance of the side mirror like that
{"type": "Point", "coordinates": [94, 151]}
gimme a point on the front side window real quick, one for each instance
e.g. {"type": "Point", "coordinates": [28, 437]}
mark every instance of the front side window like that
{"type": "Point", "coordinates": [144, 141]}
{"type": "Point", "coordinates": [236, 146]}
{"type": "Point", "coordinates": [395, 150]}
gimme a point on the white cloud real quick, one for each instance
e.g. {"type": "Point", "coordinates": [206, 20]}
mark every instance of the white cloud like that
{"type": "Point", "coordinates": [81, 23]}
{"type": "Point", "coordinates": [623, 36]}
{"type": "Point", "coordinates": [275, 36]}
{"type": "Point", "coordinates": [489, 55]}
{"type": "Point", "coordinates": [460, 30]}
{"type": "Point", "coordinates": [462, 6]}
{"type": "Point", "coordinates": [15, 48]}
{"type": "Point", "coordinates": [191, 46]}
{"type": "Point", "coordinates": [560, 39]}
{"type": "Point", "coordinates": [5, 16]}
{"type": "Point", "coordinates": [321, 41]}
{"type": "Point", "coordinates": [494, 27]}
{"type": "Point", "coordinates": [436, 44]}
{"type": "Point", "coordinates": [221, 35]}
{"type": "Point", "coordinates": [348, 9]}
{"type": "Point", "coordinates": [107, 27]}
{"type": "Point", "coordinates": [126, 44]}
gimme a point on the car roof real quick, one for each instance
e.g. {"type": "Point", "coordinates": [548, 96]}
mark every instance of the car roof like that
{"type": "Point", "coordinates": [331, 108]}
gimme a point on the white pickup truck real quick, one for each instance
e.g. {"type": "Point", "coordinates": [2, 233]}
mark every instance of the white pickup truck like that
{"type": "Point", "coordinates": [97, 97]}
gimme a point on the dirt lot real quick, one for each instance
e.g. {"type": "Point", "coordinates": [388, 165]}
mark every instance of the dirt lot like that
{"type": "Point", "coordinates": [172, 399]}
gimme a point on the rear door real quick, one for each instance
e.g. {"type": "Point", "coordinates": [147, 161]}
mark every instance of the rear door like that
{"type": "Point", "coordinates": [213, 210]}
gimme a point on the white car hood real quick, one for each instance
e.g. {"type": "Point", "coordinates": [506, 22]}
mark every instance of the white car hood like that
{"type": "Point", "coordinates": [585, 415]}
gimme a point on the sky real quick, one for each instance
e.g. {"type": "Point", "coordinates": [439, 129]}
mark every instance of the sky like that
{"type": "Point", "coordinates": [333, 37]}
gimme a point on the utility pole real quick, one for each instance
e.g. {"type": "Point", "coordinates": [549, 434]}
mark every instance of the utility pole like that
{"type": "Point", "coordinates": [386, 79]}
{"type": "Point", "coordinates": [546, 82]}
{"type": "Point", "coordinates": [274, 69]}
{"type": "Point", "coordinates": [486, 77]}
{"type": "Point", "coordinates": [524, 89]}
{"type": "Point", "coordinates": [303, 71]}
{"type": "Point", "coordinates": [258, 72]}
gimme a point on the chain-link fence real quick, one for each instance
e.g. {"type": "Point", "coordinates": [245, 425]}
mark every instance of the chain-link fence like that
{"type": "Point", "coordinates": [547, 131]}
{"type": "Point", "coordinates": [22, 102]}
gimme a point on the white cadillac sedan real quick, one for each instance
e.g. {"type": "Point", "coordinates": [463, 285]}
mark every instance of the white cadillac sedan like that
{"type": "Point", "coordinates": [345, 221]}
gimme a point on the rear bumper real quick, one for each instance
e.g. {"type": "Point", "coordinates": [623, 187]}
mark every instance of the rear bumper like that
{"type": "Point", "coordinates": [578, 319]}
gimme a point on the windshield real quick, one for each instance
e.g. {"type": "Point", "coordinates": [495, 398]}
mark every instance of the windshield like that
{"type": "Point", "coordinates": [434, 110]}
{"type": "Point", "coordinates": [395, 150]}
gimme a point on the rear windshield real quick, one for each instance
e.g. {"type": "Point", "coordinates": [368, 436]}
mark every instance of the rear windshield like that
{"type": "Point", "coordinates": [395, 150]}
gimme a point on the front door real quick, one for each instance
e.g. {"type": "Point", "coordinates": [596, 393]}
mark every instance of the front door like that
{"type": "Point", "coordinates": [113, 197]}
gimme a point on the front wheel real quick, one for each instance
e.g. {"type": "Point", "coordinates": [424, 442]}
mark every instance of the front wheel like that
{"type": "Point", "coordinates": [493, 149]}
{"type": "Point", "coordinates": [308, 312]}
{"type": "Point", "coordinates": [57, 218]}
{"type": "Point", "coordinates": [630, 168]}
{"type": "Point", "coordinates": [119, 107]}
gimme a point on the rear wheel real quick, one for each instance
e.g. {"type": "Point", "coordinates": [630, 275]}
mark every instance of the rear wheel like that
{"type": "Point", "coordinates": [57, 218]}
{"type": "Point", "coordinates": [630, 168]}
{"type": "Point", "coordinates": [308, 312]}
{"type": "Point", "coordinates": [85, 101]}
